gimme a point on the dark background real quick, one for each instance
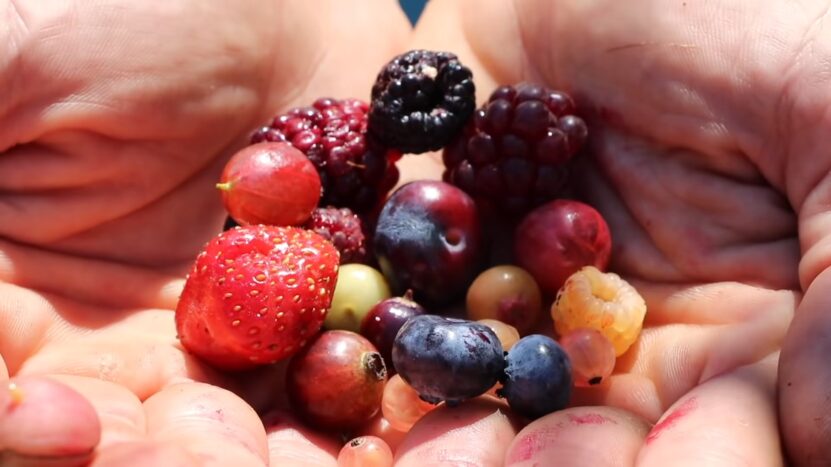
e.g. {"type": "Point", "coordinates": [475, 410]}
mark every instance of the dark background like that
{"type": "Point", "coordinates": [413, 8]}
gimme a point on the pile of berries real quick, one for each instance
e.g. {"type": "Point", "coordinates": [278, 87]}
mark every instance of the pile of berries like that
{"type": "Point", "coordinates": [322, 265]}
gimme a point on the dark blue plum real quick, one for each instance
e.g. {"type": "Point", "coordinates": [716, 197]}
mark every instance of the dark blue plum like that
{"type": "Point", "coordinates": [447, 359]}
{"type": "Point", "coordinates": [428, 239]}
{"type": "Point", "coordinates": [537, 377]}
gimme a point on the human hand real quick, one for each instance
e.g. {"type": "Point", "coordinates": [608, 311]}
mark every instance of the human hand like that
{"type": "Point", "coordinates": [115, 121]}
{"type": "Point", "coordinates": [706, 122]}
{"type": "Point", "coordinates": [702, 325]}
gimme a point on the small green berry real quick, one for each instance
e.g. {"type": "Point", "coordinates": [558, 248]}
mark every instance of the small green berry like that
{"type": "Point", "coordinates": [358, 289]}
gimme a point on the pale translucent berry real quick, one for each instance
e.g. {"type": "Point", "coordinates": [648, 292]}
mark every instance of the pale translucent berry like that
{"type": "Point", "coordinates": [507, 334]}
{"type": "Point", "coordinates": [401, 405]}
{"type": "Point", "coordinates": [365, 451]}
{"type": "Point", "coordinates": [508, 294]}
{"type": "Point", "coordinates": [592, 356]}
{"type": "Point", "coordinates": [381, 427]}
{"type": "Point", "coordinates": [358, 289]}
{"type": "Point", "coordinates": [602, 301]}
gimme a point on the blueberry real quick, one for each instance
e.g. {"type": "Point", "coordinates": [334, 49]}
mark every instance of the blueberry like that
{"type": "Point", "coordinates": [537, 377]}
{"type": "Point", "coordinates": [447, 359]}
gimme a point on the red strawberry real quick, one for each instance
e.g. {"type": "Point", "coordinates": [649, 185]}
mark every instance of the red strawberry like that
{"type": "Point", "coordinates": [256, 294]}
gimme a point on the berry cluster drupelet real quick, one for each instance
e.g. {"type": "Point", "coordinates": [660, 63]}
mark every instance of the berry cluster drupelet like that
{"type": "Point", "coordinates": [514, 153]}
{"type": "Point", "coordinates": [420, 100]}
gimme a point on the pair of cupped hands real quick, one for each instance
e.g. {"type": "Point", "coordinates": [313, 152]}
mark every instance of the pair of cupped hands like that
{"type": "Point", "coordinates": [709, 159]}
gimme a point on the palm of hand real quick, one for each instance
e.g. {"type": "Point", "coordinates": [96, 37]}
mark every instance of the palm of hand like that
{"type": "Point", "coordinates": [110, 190]}
{"type": "Point", "coordinates": [690, 196]}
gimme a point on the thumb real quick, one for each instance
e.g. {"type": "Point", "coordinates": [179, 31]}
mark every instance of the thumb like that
{"type": "Point", "coordinates": [804, 373]}
{"type": "Point", "coordinates": [42, 420]}
{"type": "Point", "coordinates": [805, 378]}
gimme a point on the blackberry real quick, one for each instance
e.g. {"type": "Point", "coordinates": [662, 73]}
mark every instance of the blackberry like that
{"type": "Point", "coordinates": [421, 100]}
{"type": "Point", "coordinates": [514, 153]}
{"type": "Point", "coordinates": [344, 229]}
{"type": "Point", "coordinates": [355, 172]}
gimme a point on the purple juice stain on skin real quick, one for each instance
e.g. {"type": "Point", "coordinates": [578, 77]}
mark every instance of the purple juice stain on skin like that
{"type": "Point", "coordinates": [538, 441]}
{"type": "Point", "coordinates": [590, 419]}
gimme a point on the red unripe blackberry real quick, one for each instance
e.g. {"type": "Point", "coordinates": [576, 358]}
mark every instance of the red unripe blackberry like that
{"type": "Point", "coordinates": [514, 153]}
{"type": "Point", "coordinates": [344, 229]}
{"type": "Point", "coordinates": [355, 171]}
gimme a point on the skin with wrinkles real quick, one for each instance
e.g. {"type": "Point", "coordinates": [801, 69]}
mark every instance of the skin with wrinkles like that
{"type": "Point", "coordinates": [707, 159]}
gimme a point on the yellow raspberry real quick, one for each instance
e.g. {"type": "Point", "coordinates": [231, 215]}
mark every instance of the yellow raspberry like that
{"type": "Point", "coordinates": [593, 299]}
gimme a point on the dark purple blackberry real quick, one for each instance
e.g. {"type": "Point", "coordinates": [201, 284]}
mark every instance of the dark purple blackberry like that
{"type": "Point", "coordinates": [421, 100]}
{"type": "Point", "coordinates": [514, 153]}
{"type": "Point", "coordinates": [355, 172]}
{"type": "Point", "coordinates": [344, 229]}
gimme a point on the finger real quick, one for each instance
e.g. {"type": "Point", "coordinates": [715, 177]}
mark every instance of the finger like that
{"type": "Point", "coordinates": [25, 318]}
{"type": "Point", "coordinates": [141, 352]}
{"type": "Point", "coordinates": [263, 388]}
{"type": "Point", "coordinates": [213, 424]}
{"type": "Point", "coordinates": [476, 433]}
{"type": "Point", "coordinates": [142, 365]}
{"type": "Point", "coordinates": [104, 283]}
{"type": "Point", "coordinates": [727, 421]}
{"type": "Point", "coordinates": [292, 444]}
{"type": "Point", "coordinates": [144, 453]}
{"type": "Point", "coordinates": [119, 410]}
{"type": "Point", "coordinates": [805, 379]}
{"type": "Point", "coordinates": [42, 418]}
{"type": "Point", "coordinates": [579, 436]}
{"type": "Point", "coordinates": [4, 372]}
{"type": "Point", "coordinates": [670, 359]}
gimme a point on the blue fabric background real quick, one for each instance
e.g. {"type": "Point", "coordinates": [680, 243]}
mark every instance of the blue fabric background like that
{"type": "Point", "coordinates": [413, 8]}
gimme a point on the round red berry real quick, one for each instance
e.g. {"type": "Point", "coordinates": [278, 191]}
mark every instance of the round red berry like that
{"type": "Point", "coordinates": [337, 382]}
{"type": "Point", "coordinates": [557, 239]}
{"type": "Point", "coordinates": [270, 183]}
{"type": "Point", "coordinates": [355, 171]}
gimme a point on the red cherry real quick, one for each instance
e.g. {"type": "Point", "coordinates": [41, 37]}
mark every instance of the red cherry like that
{"type": "Point", "coordinates": [337, 382]}
{"type": "Point", "coordinates": [383, 321]}
{"type": "Point", "coordinates": [270, 183]}
{"type": "Point", "coordinates": [557, 239]}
